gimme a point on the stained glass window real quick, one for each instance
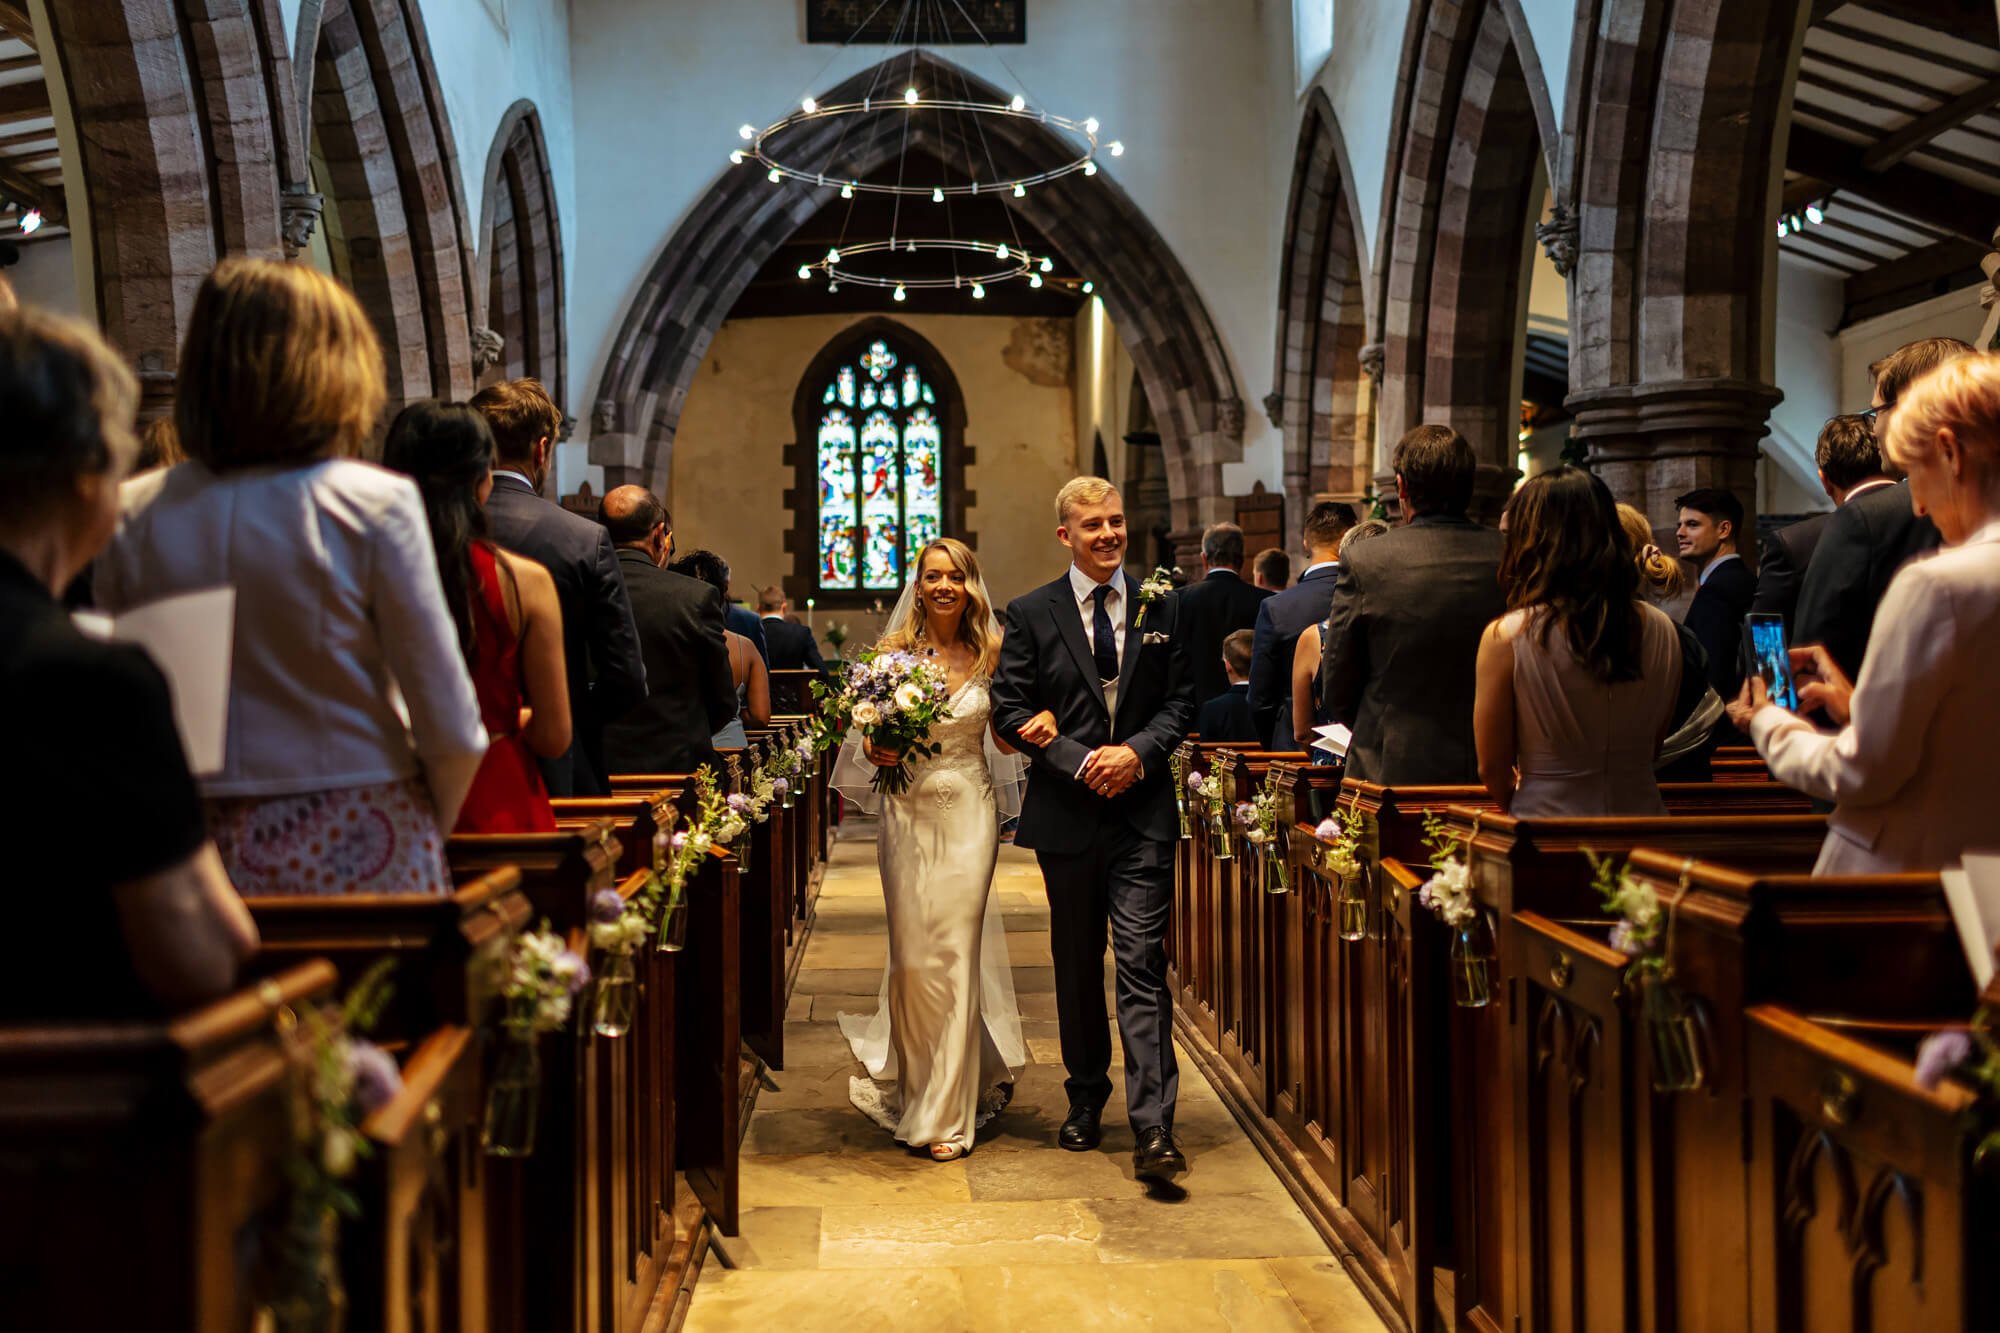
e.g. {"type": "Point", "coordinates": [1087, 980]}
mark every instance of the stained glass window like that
{"type": "Point", "coordinates": [881, 489]}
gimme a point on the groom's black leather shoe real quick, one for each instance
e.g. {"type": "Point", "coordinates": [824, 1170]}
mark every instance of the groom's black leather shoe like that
{"type": "Point", "coordinates": [1083, 1130]}
{"type": "Point", "coordinates": [1156, 1157]}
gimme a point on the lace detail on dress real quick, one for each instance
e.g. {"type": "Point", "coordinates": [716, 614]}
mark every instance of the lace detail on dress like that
{"type": "Point", "coordinates": [958, 770]}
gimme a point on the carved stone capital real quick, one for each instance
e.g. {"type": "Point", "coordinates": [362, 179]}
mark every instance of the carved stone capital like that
{"type": "Point", "coordinates": [604, 416]}
{"type": "Point", "coordinates": [1560, 237]}
{"type": "Point", "coordinates": [1229, 418]}
{"type": "Point", "coordinates": [298, 213]}
{"type": "Point", "coordinates": [1274, 408]}
{"type": "Point", "coordinates": [1373, 357]}
{"type": "Point", "coordinates": [566, 430]}
{"type": "Point", "coordinates": [487, 347]}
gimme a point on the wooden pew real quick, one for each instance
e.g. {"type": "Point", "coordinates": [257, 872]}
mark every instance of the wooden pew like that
{"type": "Point", "coordinates": [170, 1134]}
{"type": "Point", "coordinates": [1193, 964]}
{"type": "Point", "coordinates": [1866, 1209]}
{"type": "Point", "coordinates": [1665, 1172]}
{"type": "Point", "coordinates": [643, 813]}
{"type": "Point", "coordinates": [763, 919]}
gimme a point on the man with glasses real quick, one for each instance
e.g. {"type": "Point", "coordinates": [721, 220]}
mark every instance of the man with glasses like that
{"type": "Point", "coordinates": [1868, 539]}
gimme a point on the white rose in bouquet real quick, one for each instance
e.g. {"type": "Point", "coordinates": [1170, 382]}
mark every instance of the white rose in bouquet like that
{"type": "Point", "coordinates": [909, 695]}
{"type": "Point", "coordinates": [866, 714]}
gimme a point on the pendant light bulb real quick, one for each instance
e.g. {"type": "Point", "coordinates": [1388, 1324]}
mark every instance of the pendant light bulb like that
{"type": "Point", "coordinates": [1034, 279]}
{"type": "Point", "coordinates": [809, 106]}
{"type": "Point", "coordinates": [1814, 214]}
{"type": "Point", "coordinates": [833, 287]}
{"type": "Point", "coordinates": [1117, 148]}
{"type": "Point", "coordinates": [1019, 103]}
{"type": "Point", "coordinates": [978, 291]}
{"type": "Point", "coordinates": [1090, 125]}
{"type": "Point", "coordinates": [1020, 191]}
{"type": "Point", "coordinates": [1090, 168]}
{"type": "Point", "coordinates": [901, 295]}
{"type": "Point", "coordinates": [31, 222]}
{"type": "Point", "coordinates": [833, 256]}
{"type": "Point", "coordinates": [805, 271]}
{"type": "Point", "coordinates": [937, 194]}
{"type": "Point", "coordinates": [1089, 287]}
{"type": "Point", "coordinates": [847, 191]}
{"type": "Point", "coordinates": [774, 175]}
{"type": "Point", "coordinates": [1048, 265]}
{"type": "Point", "coordinates": [910, 96]}
{"type": "Point", "coordinates": [736, 157]}
{"type": "Point", "coordinates": [746, 132]}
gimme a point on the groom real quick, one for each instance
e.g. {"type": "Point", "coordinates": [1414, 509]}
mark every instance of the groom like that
{"type": "Point", "coordinates": [1094, 685]}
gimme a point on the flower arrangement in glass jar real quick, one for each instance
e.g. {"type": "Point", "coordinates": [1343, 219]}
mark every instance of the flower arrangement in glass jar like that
{"type": "Point", "coordinates": [541, 983]}
{"type": "Point", "coordinates": [1261, 830]}
{"type": "Point", "coordinates": [336, 1080]}
{"type": "Point", "coordinates": [617, 929]}
{"type": "Point", "coordinates": [1206, 789]}
{"type": "Point", "coordinates": [1448, 893]}
{"type": "Point", "coordinates": [1340, 834]}
{"type": "Point", "coordinates": [1643, 932]}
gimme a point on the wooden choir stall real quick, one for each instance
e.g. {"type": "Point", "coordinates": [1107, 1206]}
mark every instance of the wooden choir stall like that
{"type": "Point", "coordinates": [1508, 1125]}
{"type": "Point", "coordinates": [517, 1179]}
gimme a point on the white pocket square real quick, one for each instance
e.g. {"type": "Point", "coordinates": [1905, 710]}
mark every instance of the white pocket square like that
{"type": "Point", "coordinates": [1154, 636]}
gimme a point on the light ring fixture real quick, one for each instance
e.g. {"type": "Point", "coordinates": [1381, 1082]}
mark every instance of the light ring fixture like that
{"type": "Point", "coordinates": [1012, 262]}
{"type": "Point", "coordinates": [761, 150]}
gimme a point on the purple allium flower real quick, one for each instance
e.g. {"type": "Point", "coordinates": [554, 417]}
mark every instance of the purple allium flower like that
{"type": "Point", "coordinates": [738, 802]}
{"type": "Point", "coordinates": [1621, 938]}
{"type": "Point", "coordinates": [1245, 813]}
{"type": "Point", "coordinates": [1194, 781]}
{"type": "Point", "coordinates": [1941, 1053]}
{"type": "Point", "coordinates": [606, 906]}
{"type": "Point", "coordinates": [571, 970]}
{"type": "Point", "coordinates": [679, 841]}
{"type": "Point", "coordinates": [780, 786]}
{"type": "Point", "coordinates": [376, 1077]}
{"type": "Point", "coordinates": [1328, 830]}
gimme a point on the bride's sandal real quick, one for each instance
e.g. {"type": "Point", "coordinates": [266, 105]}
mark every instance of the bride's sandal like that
{"type": "Point", "coordinates": [946, 1152]}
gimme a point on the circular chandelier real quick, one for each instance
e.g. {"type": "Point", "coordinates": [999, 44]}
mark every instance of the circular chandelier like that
{"type": "Point", "coordinates": [764, 152]}
{"type": "Point", "coordinates": [1014, 262]}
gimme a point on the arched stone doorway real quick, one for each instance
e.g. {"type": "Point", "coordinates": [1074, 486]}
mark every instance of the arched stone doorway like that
{"type": "Point", "coordinates": [731, 231]}
{"type": "Point", "coordinates": [1679, 113]}
{"type": "Point", "coordinates": [520, 266]}
{"type": "Point", "coordinates": [1320, 398]}
{"type": "Point", "coordinates": [1467, 177]}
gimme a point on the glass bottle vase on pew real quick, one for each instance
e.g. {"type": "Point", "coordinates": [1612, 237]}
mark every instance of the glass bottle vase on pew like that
{"type": "Point", "coordinates": [616, 998]}
{"type": "Point", "coordinates": [1276, 878]}
{"type": "Point", "coordinates": [1473, 951]}
{"type": "Point", "coordinates": [513, 1102]}
{"type": "Point", "coordinates": [1351, 906]}
{"type": "Point", "coordinates": [1223, 838]}
{"type": "Point", "coordinates": [1675, 1046]}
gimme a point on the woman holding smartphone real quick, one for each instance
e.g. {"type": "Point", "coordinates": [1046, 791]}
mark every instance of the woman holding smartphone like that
{"type": "Point", "coordinates": [1911, 770]}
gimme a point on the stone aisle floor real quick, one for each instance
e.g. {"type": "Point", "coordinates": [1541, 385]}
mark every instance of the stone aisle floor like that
{"type": "Point", "coordinates": [844, 1229]}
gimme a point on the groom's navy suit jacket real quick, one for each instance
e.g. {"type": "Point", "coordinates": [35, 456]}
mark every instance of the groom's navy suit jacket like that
{"type": "Point", "coordinates": [1045, 662]}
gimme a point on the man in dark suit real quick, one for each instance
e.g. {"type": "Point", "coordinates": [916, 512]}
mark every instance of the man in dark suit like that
{"type": "Point", "coordinates": [600, 645]}
{"type": "Point", "coordinates": [1226, 717]}
{"type": "Point", "coordinates": [1710, 525]}
{"type": "Point", "coordinates": [1869, 539]}
{"type": "Point", "coordinates": [1282, 618]}
{"type": "Point", "coordinates": [742, 620]}
{"type": "Point", "coordinates": [1094, 686]}
{"type": "Point", "coordinates": [1850, 466]}
{"type": "Point", "coordinates": [690, 694]}
{"type": "Point", "coordinates": [1218, 606]}
{"type": "Point", "coordinates": [793, 647]}
{"type": "Point", "coordinates": [1410, 605]}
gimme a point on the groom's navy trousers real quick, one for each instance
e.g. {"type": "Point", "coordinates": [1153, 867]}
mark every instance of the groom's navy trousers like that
{"type": "Point", "coordinates": [1106, 862]}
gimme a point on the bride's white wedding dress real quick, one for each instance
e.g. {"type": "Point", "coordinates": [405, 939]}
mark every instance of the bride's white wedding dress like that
{"type": "Point", "coordinates": [943, 1047]}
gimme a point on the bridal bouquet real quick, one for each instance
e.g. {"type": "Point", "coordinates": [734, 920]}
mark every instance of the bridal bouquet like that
{"type": "Point", "coordinates": [895, 699]}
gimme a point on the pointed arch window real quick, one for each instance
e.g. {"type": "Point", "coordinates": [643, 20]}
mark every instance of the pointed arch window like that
{"type": "Point", "coordinates": [879, 446]}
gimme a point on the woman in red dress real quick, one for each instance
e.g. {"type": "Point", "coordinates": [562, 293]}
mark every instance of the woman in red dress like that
{"type": "Point", "coordinates": [509, 622]}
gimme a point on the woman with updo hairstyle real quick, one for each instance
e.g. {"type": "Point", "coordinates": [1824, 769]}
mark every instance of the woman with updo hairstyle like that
{"type": "Point", "coordinates": [147, 919]}
{"type": "Point", "coordinates": [1576, 683]}
{"type": "Point", "coordinates": [505, 610]}
{"type": "Point", "coordinates": [353, 729]}
{"type": "Point", "coordinates": [1910, 772]}
{"type": "Point", "coordinates": [1685, 753]}
{"type": "Point", "coordinates": [746, 666]}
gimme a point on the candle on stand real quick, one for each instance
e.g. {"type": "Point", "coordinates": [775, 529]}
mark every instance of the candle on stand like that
{"type": "Point", "coordinates": [809, 613]}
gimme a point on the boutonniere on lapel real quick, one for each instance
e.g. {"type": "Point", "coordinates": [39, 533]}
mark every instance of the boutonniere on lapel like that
{"type": "Point", "coordinates": [1157, 585]}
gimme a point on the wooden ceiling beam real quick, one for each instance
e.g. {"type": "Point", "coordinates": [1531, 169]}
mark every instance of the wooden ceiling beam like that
{"type": "Point", "coordinates": [24, 101]}
{"type": "Point", "coordinates": [1966, 20]}
{"type": "Point", "coordinates": [1949, 116]}
{"type": "Point", "coordinates": [1937, 201]}
{"type": "Point", "coordinates": [45, 198]}
{"type": "Point", "coordinates": [1917, 276]}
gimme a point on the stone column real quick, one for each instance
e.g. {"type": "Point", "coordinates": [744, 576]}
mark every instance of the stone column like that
{"type": "Point", "coordinates": [1652, 442]}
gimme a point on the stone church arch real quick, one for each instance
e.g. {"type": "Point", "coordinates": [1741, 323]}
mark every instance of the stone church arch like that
{"type": "Point", "coordinates": [380, 132]}
{"type": "Point", "coordinates": [1320, 398]}
{"type": "Point", "coordinates": [1468, 167]}
{"type": "Point", "coordinates": [1677, 136]}
{"type": "Point", "coordinates": [520, 263]}
{"type": "Point", "coordinates": [731, 231]}
{"type": "Point", "coordinates": [187, 151]}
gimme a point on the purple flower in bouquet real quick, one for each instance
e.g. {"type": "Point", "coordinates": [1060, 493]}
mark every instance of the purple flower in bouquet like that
{"type": "Point", "coordinates": [780, 785]}
{"type": "Point", "coordinates": [1194, 782]}
{"type": "Point", "coordinates": [1623, 938]}
{"type": "Point", "coordinates": [679, 841]}
{"type": "Point", "coordinates": [606, 906]}
{"type": "Point", "coordinates": [376, 1077]}
{"type": "Point", "coordinates": [1940, 1053]}
{"type": "Point", "coordinates": [1246, 814]}
{"type": "Point", "coordinates": [1328, 830]}
{"type": "Point", "coordinates": [570, 969]}
{"type": "Point", "coordinates": [739, 802]}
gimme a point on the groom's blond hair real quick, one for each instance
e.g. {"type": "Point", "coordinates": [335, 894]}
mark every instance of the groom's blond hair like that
{"type": "Point", "coordinates": [1080, 491]}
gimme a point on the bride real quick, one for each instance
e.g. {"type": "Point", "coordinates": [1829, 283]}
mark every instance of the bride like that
{"type": "Point", "coordinates": [945, 1043]}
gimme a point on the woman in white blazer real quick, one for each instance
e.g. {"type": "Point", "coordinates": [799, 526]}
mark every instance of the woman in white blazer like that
{"type": "Point", "coordinates": [1913, 769]}
{"type": "Point", "coordinates": [353, 729]}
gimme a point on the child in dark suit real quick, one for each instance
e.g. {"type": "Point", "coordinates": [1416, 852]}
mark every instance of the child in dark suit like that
{"type": "Point", "coordinates": [1226, 717]}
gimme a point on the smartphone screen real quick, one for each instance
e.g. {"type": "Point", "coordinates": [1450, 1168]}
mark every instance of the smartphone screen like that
{"type": "Point", "coordinates": [1765, 636]}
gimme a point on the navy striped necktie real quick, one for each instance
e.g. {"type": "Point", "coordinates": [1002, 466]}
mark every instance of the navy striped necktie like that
{"type": "Point", "coordinates": [1105, 638]}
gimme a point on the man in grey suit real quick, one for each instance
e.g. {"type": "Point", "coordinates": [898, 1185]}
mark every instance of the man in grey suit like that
{"type": "Point", "coordinates": [1407, 615]}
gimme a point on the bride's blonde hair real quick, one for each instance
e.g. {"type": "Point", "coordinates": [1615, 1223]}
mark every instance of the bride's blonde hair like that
{"type": "Point", "coordinates": [979, 629]}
